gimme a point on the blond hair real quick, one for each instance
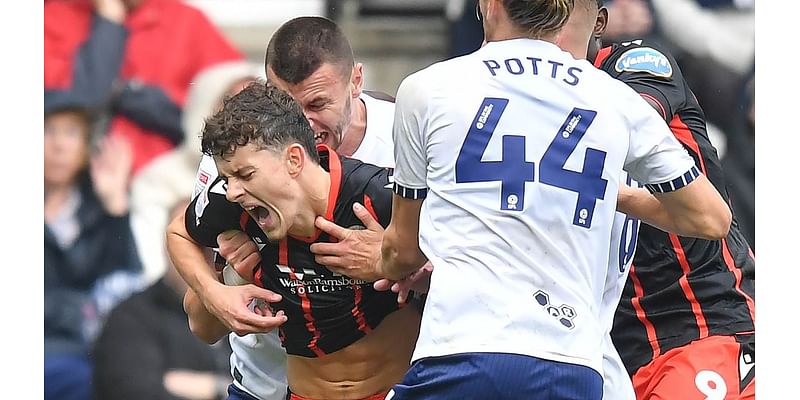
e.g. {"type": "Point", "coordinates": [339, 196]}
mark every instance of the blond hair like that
{"type": "Point", "coordinates": [539, 17]}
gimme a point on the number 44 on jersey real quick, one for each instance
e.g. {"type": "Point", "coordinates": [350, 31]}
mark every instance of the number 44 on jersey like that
{"type": "Point", "coordinates": [513, 171]}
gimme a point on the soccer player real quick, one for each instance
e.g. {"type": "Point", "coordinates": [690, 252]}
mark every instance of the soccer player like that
{"type": "Point", "coordinates": [685, 324]}
{"type": "Point", "coordinates": [517, 151]}
{"type": "Point", "coordinates": [344, 339]}
{"type": "Point", "coordinates": [311, 59]}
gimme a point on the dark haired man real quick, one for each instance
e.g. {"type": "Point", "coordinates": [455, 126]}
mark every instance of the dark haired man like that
{"type": "Point", "coordinates": [311, 59]}
{"type": "Point", "coordinates": [344, 339]}
{"type": "Point", "coordinates": [685, 325]}
{"type": "Point", "coordinates": [327, 83]}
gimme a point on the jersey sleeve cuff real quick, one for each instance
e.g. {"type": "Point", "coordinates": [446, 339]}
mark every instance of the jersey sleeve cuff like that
{"type": "Point", "coordinates": [676, 183]}
{"type": "Point", "coordinates": [409, 193]}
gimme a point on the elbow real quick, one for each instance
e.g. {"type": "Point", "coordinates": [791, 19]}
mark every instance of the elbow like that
{"type": "Point", "coordinates": [199, 331]}
{"type": "Point", "coordinates": [201, 323]}
{"type": "Point", "coordinates": [713, 225]}
{"type": "Point", "coordinates": [721, 224]}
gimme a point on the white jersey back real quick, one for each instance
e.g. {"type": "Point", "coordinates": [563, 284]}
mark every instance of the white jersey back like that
{"type": "Point", "coordinates": [258, 361]}
{"type": "Point", "coordinates": [519, 149]}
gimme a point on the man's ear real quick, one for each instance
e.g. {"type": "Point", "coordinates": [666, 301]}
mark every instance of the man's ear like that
{"type": "Point", "coordinates": [357, 80]}
{"type": "Point", "coordinates": [601, 23]}
{"type": "Point", "coordinates": [295, 159]}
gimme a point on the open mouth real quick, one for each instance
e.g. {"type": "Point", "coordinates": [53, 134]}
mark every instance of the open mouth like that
{"type": "Point", "coordinates": [321, 137]}
{"type": "Point", "coordinates": [260, 214]}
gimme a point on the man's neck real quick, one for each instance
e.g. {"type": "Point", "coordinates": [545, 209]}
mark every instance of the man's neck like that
{"type": "Point", "coordinates": [509, 32]}
{"type": "Point", "coordinates": [354, 135]}
{"type": "Point", "coordinates": [316, 184]}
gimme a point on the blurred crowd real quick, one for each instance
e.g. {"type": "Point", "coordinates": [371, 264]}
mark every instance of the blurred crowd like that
{"type": "Point", "coordinates": [128, 84]}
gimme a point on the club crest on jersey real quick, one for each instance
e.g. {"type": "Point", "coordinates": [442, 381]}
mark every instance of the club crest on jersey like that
{"type": "Point", "coordinates": [644, 59]}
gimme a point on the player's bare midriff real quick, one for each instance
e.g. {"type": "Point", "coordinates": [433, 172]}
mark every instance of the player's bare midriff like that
{"type": "Point", "coordinates": [371, 365]}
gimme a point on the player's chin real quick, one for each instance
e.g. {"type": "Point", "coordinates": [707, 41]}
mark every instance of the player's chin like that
{"type": "Point", "coordinates": [276, 232]}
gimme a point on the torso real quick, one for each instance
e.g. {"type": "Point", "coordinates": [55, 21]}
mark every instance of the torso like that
{"type": "Point", "coordinates": [372, 364]}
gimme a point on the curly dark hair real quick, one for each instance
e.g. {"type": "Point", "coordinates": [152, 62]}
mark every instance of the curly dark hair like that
{"type": "Point", "coordinates": [260, 114]}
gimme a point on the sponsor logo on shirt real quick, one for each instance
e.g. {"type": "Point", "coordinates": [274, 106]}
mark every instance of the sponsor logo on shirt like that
{"type": "Point", "coordinates": [644, 59]}
{"type": "Point", "coordinates": [308, 281]}
{"type": "Point", "coordinates": [564, 313]}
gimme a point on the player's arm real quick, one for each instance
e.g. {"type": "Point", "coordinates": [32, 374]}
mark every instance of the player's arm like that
{"type": "Point", "coordinates": [202, 323]}
{"type": "Point", "coordinates": [186, 236]}
{"type": "Point", "coordinates": [685, 200]}
{"type": "Point", "coordinates": [668, 211]}
{"type": "Point", "coordinates": [400, 252]}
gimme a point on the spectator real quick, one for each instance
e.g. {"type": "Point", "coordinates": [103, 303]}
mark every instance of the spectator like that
{"type": "Point", "coordinates": [88, 245]}
{"type": "Point", "coordinates": [133, 58]}
{"type": "Point", "coordinates": [172, 175]}
{"type": "Point", "coordinates": [146, 350]}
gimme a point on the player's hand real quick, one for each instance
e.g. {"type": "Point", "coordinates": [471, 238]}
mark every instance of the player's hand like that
{"type": "Point", "coordinates": [231, 305]}
{"type": "Point", "coordinates": [419, 281]}
{"type": "Point", "coordinates": [239, 250]}
{"type": "Point", "coordinates": [357, 252]}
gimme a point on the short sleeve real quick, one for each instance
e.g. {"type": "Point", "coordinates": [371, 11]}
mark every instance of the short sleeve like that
{"type": "Point", "coordinates": [210, 214]}
{"type": "Point", "coordinates": [655, 157]}
{"type": "Point", "coordinates": [660, 80]}
{"type": "Point", "coordinates": [206, 173]}
{"type": "Point", "coordinates": [411, 165]}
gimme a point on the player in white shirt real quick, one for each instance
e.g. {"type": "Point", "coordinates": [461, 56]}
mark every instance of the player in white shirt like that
{"type": "Point", "coordinates": [578, 38]}
{"type": "Point", "coordinates": [517, 151]}
{"type": "Point", "coordinates": [323, 77]}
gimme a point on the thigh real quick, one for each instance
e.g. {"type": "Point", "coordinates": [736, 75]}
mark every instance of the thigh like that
{"type": "Point", "coordinates": [497, 376]}
{"type": "Point", "coordinates": [714, 368]}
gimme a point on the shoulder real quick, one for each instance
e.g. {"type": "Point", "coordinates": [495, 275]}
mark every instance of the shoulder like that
{"type": "Point", "coordinates": [639, 56]}
{"type": "Point", "coordinates": [430, 76]}
{"type": "Point", "coordinates": [359, 174]}
{"type": "Point", "coordinates": [380, 109]}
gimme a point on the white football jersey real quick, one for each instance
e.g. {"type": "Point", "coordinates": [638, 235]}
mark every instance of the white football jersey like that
{"type": "Point", "coordinates": [519, 149]}
{"type": "Point", "coordinates": [258, 361]}
{"type": "Point", "coordinates": [624, 231]}
{"type": "Point", "coordinates": [377, 146]}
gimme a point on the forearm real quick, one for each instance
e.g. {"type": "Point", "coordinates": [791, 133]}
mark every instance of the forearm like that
{"type": "Point", "coordinates": [202, 323]}
{"type": "Point", "coordinates": [400, 256]}
{"type": "Point", "coordinates": [189, 260]}
{"type": "Point", "coordinates": [99, 60]}
{"type": "Point", "coordinates": [639, 203]}
{"type": "Point", "coordinates": [703, 215]}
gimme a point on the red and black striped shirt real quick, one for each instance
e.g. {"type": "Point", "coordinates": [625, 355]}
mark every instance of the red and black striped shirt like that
{"type": "Point", "coordinates": [326, 311]}
{"type": "Point", "coordinates": [679, 289]}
